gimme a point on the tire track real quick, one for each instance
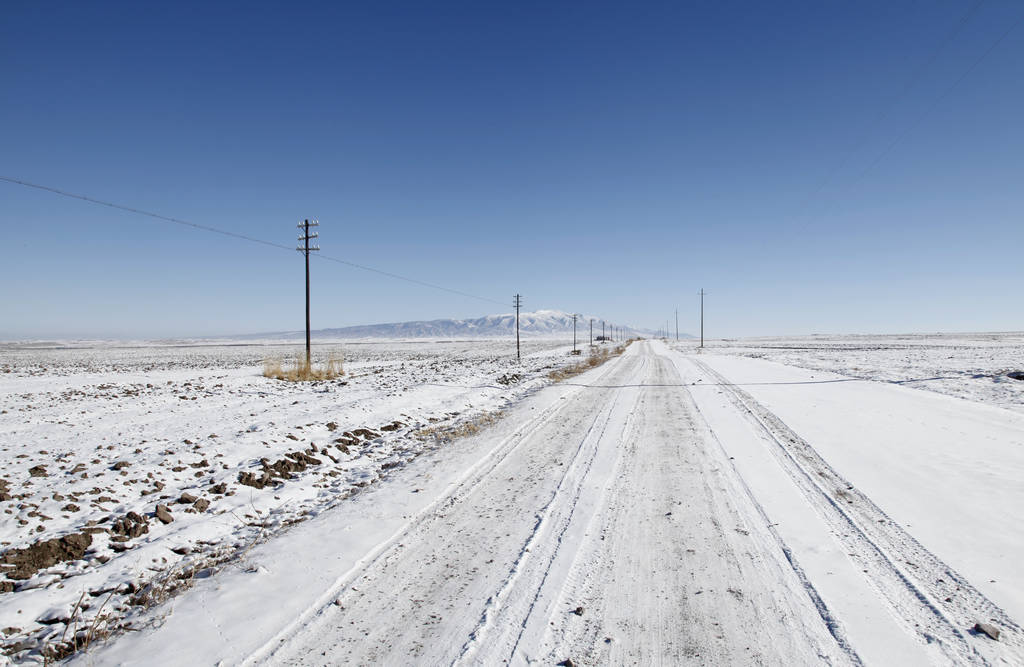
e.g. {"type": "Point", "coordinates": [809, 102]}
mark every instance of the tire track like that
{"type": "Point", "coordinates": [931, 600]}
{"type": "Point", "coordinates": [510, 611]}
{"type": "Point", "coordinates": [463, 487]}
{"type": "Point", "coordinates": [680, 565]}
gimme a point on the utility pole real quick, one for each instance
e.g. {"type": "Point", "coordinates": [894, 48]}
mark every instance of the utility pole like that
{"type": "Point", "coordinates": [591, 332]}
{"type": "Point", "coordinates": [602, 331]}
{"type": "Point", "coordinates": [677, 325]}
{"type": "Point", "coordinates": [305, 249]}
{"type": "Point", "coordinates": [517, 301]}
{"type": "Point", "coordinates": [702, 317]}
{"type": "Point", "coordinates": [574, 316]}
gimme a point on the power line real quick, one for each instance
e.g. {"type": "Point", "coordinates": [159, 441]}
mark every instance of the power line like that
{"type": "Point", "coordinates": [150, 214]}
{"type": "Point", "coordinates": [224, 232]}
{"type": "Point", "coordinates": [931, 107]}
{"type": "Point", "coordinates": [941, 97]}
{"type": "Point", "coordinates": [915, 76]}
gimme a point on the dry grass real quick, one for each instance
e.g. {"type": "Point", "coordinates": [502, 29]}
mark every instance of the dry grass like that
{"type": "Point", "coordinates": [299, 371]}
{"type": "Point", "coordinates": [448, 432]}
{"type": "Point", "coordinates": [598, 355]}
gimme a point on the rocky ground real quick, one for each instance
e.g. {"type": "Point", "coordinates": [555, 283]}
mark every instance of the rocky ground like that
{"type": "Point", "coordinates": [131, 471]}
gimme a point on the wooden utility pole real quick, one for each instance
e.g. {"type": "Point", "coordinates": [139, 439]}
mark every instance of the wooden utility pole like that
{"type": "Point", "coordinates": [591, 332]}
{"type": "Point", "coordinates": [574, 316]}
{"type": "Point", "coordinates": [305, 249]}
{"type": "Point", "coordinates": [677, 325]}
{"type": "Point", "coordinates": [602, 331]}
{"type": "Point", "coordinates": [702, 317]}
{"type": "Point", "coordinates": [517, 301]}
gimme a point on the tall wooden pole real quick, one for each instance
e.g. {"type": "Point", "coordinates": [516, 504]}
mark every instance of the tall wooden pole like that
{"type": "Point", "coordinates": [702, 317]}
{"type": "Point", "coordinates": [517, 302]}
{"type": "Point", "coordinates": [305, 249]}
{"type": "Point", "coordinates": [309, 353]}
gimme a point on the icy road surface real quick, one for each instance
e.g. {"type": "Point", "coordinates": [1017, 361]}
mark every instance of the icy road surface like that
{"type": "Point", "coordinates": [655, 510]}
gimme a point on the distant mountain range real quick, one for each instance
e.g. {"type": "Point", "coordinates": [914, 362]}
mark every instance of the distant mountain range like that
{"type": "Point", "coordinates": [539, 323]}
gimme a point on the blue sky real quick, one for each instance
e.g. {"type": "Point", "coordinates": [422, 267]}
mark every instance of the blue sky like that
{"type": "Point", "coordinates": [609, 158]}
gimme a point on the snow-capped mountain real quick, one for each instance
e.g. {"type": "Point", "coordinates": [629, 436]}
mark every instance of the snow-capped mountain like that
{"type": "Point", "coordinates": [538, 323]}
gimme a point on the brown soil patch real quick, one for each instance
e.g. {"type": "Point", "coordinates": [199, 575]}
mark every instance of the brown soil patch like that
{"type": "Point", "coordinates": [45, 554]}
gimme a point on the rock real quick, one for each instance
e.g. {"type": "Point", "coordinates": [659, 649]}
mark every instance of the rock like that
{"type": "Point", "coordinates": [120, 465]}
{"type": "Point", "coordinates": [1016, 375]}
{"type": "Point", "coordinates": [130, 525]}
{"type": "Point", "coordinates": [567, 663]}
{"type": "Point", "coordinates": [38, 471]}
{"type": "Point", "coordinates": [201, 504]}
{"type": "Point", "coordinates": [70, 507]}
{"type": "Point", "coordinates": [256, 482]}
{"type": "Point", "coordinates": [186, 499]}
{"type": "Point", "coordinates": [578, 611]}
{"type": "Point", "coordinates": [988, 629]}
{"type": "Point", "coordinates": [220, 489]}
{"type": "Point", "coordinates": [164, 514]}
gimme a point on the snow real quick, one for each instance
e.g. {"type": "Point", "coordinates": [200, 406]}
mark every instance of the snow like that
{"type": "Point", "coordinates": [947, 469]}
{"type": "Point", "coordinates": [122, 428]}
{"type": "Point", "coordinates": [670, 506]}
{"type": "Point", "coordinates": [971, 366]}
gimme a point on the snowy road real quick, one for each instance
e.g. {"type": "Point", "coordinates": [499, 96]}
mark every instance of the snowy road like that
{"type": "Point", "coordinates": [648, 512]}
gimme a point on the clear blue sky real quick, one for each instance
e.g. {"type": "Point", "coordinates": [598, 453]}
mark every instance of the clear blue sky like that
{"type": "Point", "coordinates": [605, 158]}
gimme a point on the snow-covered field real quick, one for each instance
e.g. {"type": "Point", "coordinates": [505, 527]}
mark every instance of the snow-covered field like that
{"type": "Point", "coordinates": [843, 500]}
{"type": "Point", "coordinates": [134, 469]}
{"type": "Point", "coordinates": [971, 366]}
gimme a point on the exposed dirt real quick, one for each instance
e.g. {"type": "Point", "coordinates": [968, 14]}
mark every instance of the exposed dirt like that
{"type": "Point", "coordinates": [44, 554]}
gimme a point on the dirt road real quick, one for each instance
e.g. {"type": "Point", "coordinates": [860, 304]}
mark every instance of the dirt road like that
{"type": "Point", "coordinates": [648, 512]}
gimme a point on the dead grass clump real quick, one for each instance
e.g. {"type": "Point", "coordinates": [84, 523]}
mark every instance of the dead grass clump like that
{"type": "Point", "coordinates": [300, 371]}
{"type": "Point", "coordinates": [448, 432]}
{"type": "Point", "coordinates": [598, 355]}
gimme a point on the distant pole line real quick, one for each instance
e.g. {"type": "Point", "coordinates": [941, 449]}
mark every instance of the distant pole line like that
{"type": "Point", "coordinates": [517, 301]}
{"type": "Point", "coordinates": [305, 249]}
{"type": "Point", "coordinates": [243, 237]}
{"type": "Point", "coordinates": [702, 317]}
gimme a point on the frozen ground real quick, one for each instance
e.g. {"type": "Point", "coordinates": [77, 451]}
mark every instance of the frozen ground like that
{"type": "Point", "coordinates": [667, 507]}
{"type": "Point", "coordinates": [971, 366]}
{"type": "Point", "coordinates": [93, 438]}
